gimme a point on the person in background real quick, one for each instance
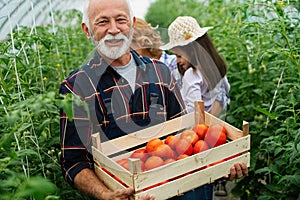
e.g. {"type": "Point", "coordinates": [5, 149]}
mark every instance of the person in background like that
{"type": "Point", "coordinates": [146, 41]}
{"type": "Point", "coordinates": [203, 76]}
{"type": "Point", "coordinates": [200, 64]}
{"type": "Point", "coordinates": [116, 96]}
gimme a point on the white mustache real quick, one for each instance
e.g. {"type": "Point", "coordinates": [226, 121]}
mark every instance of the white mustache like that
{"type": "Point", "coordinates": [119, 36]}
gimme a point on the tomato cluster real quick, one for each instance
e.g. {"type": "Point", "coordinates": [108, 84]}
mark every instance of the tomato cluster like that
{"type": "Point", "coordinates": [175, 147]}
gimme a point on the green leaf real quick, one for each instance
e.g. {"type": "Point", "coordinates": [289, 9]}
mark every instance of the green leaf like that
{"type": "Point", "coordinates": [265, 112]}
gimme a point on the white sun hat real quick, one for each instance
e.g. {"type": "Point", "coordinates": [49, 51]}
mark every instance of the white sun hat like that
{"type": "Point", "coordinates": [182, 31]}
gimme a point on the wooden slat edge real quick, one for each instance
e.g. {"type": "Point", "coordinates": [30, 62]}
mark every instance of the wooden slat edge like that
{"type": "Point", "coordinates": [105, 162]}
{"type": "Point", "coordinates": [143, 136]}
{"type": "Point", "coordinates": [194, 180]}
{"type": "Point", "coordinates": [109, 181]}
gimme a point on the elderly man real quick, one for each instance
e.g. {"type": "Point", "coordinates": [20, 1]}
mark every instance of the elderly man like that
{"type": "Point", "coordinates": [123, 91]}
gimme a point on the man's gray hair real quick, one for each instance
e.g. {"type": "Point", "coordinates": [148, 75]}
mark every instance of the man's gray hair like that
{"type": "Point", "coordinates": [85, 14]}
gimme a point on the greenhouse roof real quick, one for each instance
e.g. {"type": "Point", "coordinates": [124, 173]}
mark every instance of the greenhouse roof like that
{"type": "Point", "coordinates": [31, 13]}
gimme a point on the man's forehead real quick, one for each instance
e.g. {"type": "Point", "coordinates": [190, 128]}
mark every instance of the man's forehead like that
{"type": "Point", "coordinates": [109, 6]}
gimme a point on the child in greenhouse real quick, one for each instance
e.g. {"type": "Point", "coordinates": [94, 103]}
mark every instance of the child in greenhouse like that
{"type": "Point", "coordinates": [146, 41]}
{"type": "Point", "coordinates": [203, 76]}
{"type": "Point", "coordinates": [116, 97]}
{"type": "Point", "coordinates": [202, 68]}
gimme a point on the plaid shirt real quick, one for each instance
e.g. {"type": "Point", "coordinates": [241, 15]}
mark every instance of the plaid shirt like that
{"type": "Point", "coordinates": [113, 110]}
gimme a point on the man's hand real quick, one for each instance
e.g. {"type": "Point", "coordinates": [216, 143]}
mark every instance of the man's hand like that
{"type": "Point", "coordinates": [123, 194]}
{"type": "Point", "coordinates": [238, 170]}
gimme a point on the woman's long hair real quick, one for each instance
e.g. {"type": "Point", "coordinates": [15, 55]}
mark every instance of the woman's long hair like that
{"type": "Point", "coordinates": [203, 55]}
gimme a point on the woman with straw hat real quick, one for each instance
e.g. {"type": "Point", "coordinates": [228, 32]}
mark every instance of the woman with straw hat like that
{"type": "Point", "coordinates": [203, 69]}
{"type": "Point", "coordinates": [203, 76]}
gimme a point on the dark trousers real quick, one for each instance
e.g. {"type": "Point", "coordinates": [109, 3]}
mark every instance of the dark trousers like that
{"type": "Point", "coordinates": [204, 192]}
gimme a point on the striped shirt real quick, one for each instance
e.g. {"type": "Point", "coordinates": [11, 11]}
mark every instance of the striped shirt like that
{"type": "Point", "coordinates": [111, 108]}
{"type": "Point", "coordinates": [171, 62]}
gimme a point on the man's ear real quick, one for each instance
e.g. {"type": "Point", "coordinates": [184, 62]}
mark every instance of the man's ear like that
{"type": "Point", "coordinates": [134, 20]}
{"type": "Point", "coordinates": [85, 29]}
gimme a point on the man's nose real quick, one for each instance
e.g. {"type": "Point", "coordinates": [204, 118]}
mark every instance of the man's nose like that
{"type": "Point", "coordinates": [114, 29]}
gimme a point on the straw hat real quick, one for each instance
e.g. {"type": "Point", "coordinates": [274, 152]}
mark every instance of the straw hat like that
{"type": "Point", "coordinates": [182, 31]}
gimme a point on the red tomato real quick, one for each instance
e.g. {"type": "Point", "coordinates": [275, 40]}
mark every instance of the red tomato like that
{"type": "Point", "coordinates": [124, 163]}
{"type": "Point", "coordinates": [153, 144]}
{"type": "Point", "coordinates": [164, 151]}
{"type": "Point", "coordinates": [140, 153]}
{"type": "Point", "coordinates": [182, 156]}
{"type": "Point", "coordinates": [216, 135]}
{"type": "Point", "coordinates": [200, 146]}
{"type": "Point", "coordinates": [153, 162]}
{"type": "Point", "coordinates": [190, 136]}
{"type": "Point", "coordinates": [201, 130]}
{"type": "Point", "coordinates": [169, 160]}
{"type": "Point", "coordinates": [171, 140]}
{"type": "Point", "coordinates": [184, 147]}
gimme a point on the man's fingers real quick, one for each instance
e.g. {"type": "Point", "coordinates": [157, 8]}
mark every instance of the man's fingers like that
{"type": "Point", "coordinates": [238, 170]}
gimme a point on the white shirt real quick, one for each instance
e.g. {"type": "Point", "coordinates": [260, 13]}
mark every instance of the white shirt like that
{"type": "Point", "coordinates": [195, 88]}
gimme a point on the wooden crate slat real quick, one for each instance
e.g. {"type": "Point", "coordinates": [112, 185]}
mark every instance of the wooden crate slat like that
{"type": "Point", "coordinates": [190, 163]}
{"type": "Point", "coordinates": [194, 180]}
{"type": "Point", "coordinates": [143, 136]}
{"type": "Point", "coordinates": [109, 181]}
{"type": "Point", "coordinates": [112, 166]}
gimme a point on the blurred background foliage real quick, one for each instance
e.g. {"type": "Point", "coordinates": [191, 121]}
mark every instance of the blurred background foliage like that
{"type": "Point", "coordinates": [259, 41]}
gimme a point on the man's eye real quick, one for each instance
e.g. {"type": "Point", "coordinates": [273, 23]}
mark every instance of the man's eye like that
{"type": "Point", "coordinates": [122, 20]}
{"type": "Point", "coordinates": [102, 22]}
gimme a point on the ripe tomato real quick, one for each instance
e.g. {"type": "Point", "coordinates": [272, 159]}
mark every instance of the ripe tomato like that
{"type": "Point", "coordinates": [124, 163]}
{"type": "Point", "coordinates": [171, 141]}
{"type": "Point", "coordinates": [200, 146]}
{"type": "Point", "coordinates": [153, 162]}
{"type": "Point", "coordinates": [140, 153]}
{"type": "Point", "coordinates": [164, 151]}
{"type": "Point", "coordinates": [169, 160]}
{"type": "Point", "coordinates": [216, 135]}
{"type": "Point", "coordinates": [153, 144]}
{"type": "Point", "coordinates": [201, 130]}
{"type": "Point", "coordinates": [190, 136]}
{"type": "Point", "coordinates": [184, 147]}
{"type": "Point", "coordinates": [182, 156]}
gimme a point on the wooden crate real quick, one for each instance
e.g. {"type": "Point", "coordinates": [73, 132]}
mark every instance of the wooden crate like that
{"type": "Point", "coordinates": [183, 175]}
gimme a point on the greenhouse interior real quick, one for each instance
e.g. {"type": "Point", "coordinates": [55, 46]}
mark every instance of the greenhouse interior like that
{"type": "Point", "coordinates": [42, 43]}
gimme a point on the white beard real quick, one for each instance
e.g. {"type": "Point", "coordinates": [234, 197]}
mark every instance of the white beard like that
{"type": "Point", "coordinates": [114, 52]}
